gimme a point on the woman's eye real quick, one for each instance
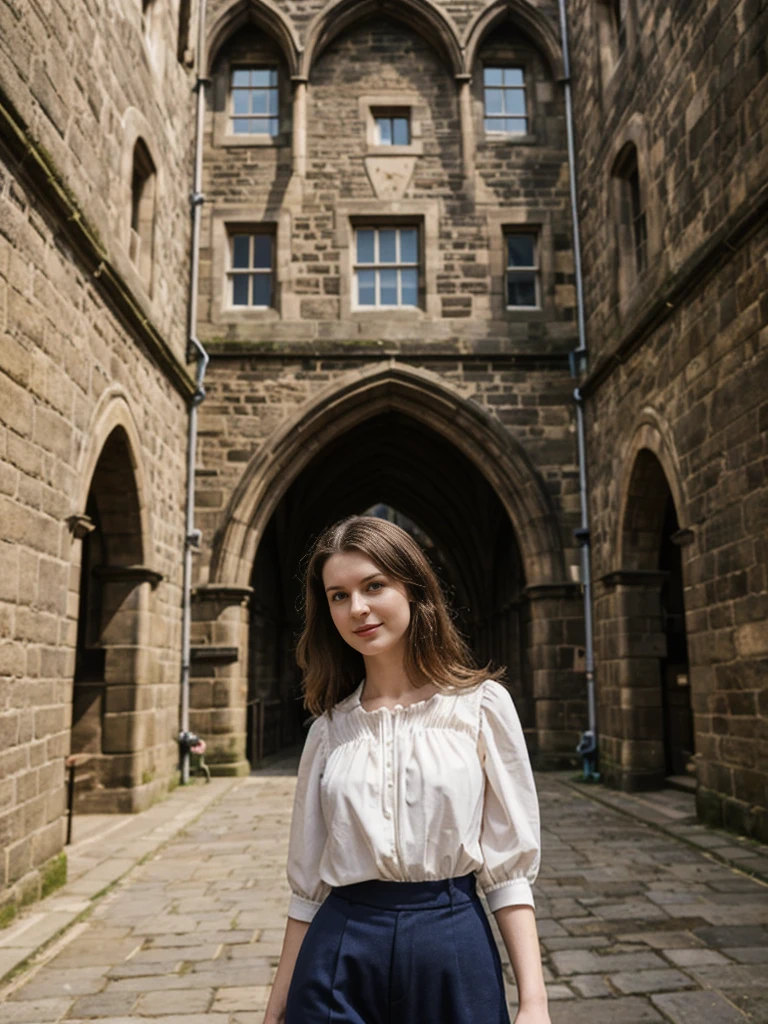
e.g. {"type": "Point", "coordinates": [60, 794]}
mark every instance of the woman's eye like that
{"type": "Point", "coordinates": [339, 593]}
{"type": "Point", "coordinates": [375, 585]}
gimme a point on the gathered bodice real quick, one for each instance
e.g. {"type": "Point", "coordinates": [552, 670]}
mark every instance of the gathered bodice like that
{"type": "Point", "coordinates": [431, 789]}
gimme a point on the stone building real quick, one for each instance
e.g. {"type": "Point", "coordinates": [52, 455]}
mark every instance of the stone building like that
{"type": "Point", "coordinates": [388, 294]}
{"type": "Point", "coordinates": [94, 390]}
{"type": "Point", "coordinates": [672, 122]}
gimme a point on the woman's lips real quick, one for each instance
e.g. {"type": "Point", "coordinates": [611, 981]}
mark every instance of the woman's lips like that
{"type": "Point", "coordinates": [368, 630]}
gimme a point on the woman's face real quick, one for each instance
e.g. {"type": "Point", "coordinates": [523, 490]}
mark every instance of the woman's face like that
{"type": "Point", "coordinates": [368, 607]}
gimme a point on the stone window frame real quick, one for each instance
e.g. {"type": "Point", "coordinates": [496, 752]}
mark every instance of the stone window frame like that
{"type": "Point", "coordinates": [143, 213]}
{"type": "Point", "coordinates": [612, 59]}
{"type": "Point", "coordinates": [532, 113]}
{"type": "Point", "coordinates": [135, 127]}
{"type": "Point", "coordinates": [227, 220]}
{"type": "Point", "coordinates": [524, 220]}
{"type": "Point", "coordinates": [353, 213]}
{"type": "Point", "coordinates": [631, 204]}
{"type": "Point", "coordinates": [223, 136]}
{"type": "Point", "coordinates": [628, 285]}
{"type": "Point", "coordinates": [394, 100]}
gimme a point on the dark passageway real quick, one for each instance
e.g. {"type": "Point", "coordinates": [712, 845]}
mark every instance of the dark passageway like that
{"type": "Point", "coordinates": [397, 467]}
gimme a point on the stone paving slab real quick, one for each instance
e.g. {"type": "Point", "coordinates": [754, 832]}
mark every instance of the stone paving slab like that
{"type": "Point", "coordinates": [93, 865]}
{"type": "Point", "coordinates": [637, 923]}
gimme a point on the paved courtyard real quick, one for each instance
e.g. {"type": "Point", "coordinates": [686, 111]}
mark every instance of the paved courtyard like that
{"type": "Point", "coordinates": [640, 918]}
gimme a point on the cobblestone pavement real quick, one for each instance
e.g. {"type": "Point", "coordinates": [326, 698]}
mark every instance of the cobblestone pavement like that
{"type": "Point", "coordinates": [637, 924]}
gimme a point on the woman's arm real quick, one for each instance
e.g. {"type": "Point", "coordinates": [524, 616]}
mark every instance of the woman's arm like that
{"type": "Point", "coordinates": [278, 997]}
{"type": "Point", "coordinates": [517, 924]}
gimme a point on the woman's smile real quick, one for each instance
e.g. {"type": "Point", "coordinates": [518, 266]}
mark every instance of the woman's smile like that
{"type": "Point", "coordinates": [368, 630]}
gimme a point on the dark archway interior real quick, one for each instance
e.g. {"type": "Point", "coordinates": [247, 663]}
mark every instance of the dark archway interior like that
{"type": "Point", "coordinates": [650, 528]}
{"type": "Point", "coordinates": [675, 672]}
{"type": "Point", "coordinates": [412, 472]}
{"type": "Point", "coordinates": [115, 539]}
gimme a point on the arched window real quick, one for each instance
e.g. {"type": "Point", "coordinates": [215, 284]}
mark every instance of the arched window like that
{"type": "Point", "coordinates": [630, 206]}
{"type": "Point", "coordinates": [143, 182]}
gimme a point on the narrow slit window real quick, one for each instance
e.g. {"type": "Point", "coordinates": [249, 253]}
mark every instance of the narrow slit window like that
{"type": "Point", "coordinates": [387, 267]}
{"type": "Point", "coordinates": [141, 241]}
{"type": "Point", "coordinates": [505, 103]}
{"type": "Point", "coordinates": [523, 272]}
{"type": "Point", "coordinates": [631, 209]}
{"type": "Point", "coordinates": [254, 101]}
{"type": "Point", "coordinates": [637, 215]}
{"type": "Point", "coordinates": [251, 273]}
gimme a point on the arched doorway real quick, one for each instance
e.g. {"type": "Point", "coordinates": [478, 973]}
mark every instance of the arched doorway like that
{"type": "Point", "coordinates": [400, 436]}
{"type": "Point", "coordinates": [396, 467]}
{"type": "Point", "coordinates": [108, 725]}
{"type": "Point", "coordinates": [656, 650]}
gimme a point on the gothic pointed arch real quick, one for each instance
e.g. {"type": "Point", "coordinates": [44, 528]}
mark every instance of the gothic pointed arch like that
{"type": "Point", "coordinates": [523, 14]}
{"type": "Point", "coordinates": [262, 13]}
{"type": "Point", "coordinates": [649, 464]}
{"type": "Point", "coordinates": [358, 396]}
{"type": "Point", "coordinates": [113, 423]}
{"type": "Point", "coordinates": [421, 15]}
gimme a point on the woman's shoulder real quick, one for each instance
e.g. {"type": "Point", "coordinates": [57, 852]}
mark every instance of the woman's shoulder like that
{"type": "Point", "coordinates": [496, 698]}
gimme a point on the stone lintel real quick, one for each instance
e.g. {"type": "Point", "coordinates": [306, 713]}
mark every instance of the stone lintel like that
{"type": "Point", "coordinates": [553, 591]}
{"type": "Point", "coordinates": [634, 578]}
{"type": "Point", "coordinates": [128, 574]}
{"type": "Point", "coordinates": [227, 593]}
{"type": "Point", "coordinates": [210, 653]}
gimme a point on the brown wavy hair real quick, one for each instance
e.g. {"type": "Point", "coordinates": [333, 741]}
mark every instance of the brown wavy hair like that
{"type": "Point", "coordinates": [435, 652]}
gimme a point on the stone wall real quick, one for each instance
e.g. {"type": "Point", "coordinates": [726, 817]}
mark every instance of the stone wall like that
{"type": "Point", "coordinates": [677, 392]}
{"type": "Point", "coordinates": [313, 351]}
{"type": "Point", "coordinates": [93, 399]}
{"type": "Point", "coordinates": [461, 218]}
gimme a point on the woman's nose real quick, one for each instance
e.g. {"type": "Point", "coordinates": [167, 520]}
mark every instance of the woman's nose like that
{"type": "Point", "coordinates": [358, 604]}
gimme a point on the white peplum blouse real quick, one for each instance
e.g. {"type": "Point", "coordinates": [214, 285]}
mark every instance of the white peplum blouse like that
{"type": "Point", "coordinates": [430, 790]}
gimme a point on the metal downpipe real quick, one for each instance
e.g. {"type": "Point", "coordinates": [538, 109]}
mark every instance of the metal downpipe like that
{"type": "Point", "coordinates": [587, 746]}
{"type": "Point", "coordinates": [194, 350]}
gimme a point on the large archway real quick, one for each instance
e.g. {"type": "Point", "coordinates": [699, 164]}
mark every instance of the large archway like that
{"type": "Point", "coordinates": [397, 436]}
{"type": "Point", "coordinates": [359, 396]}
{"type": "Point", "coordinates": [394, 466]}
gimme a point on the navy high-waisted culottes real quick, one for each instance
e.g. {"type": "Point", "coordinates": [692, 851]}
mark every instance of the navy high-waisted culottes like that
{"type": "Point", "coordinates": [399, 953]}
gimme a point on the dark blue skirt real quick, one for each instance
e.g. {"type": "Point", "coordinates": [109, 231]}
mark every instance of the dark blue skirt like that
{"type": "Point", "coordinates": [399, 953]}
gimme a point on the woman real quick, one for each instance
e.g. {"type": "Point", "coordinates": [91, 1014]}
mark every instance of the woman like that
{"type": "Point", "coordinates": [414, 784]}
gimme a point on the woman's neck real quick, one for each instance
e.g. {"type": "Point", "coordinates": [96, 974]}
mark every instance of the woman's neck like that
{"type": "Point", "coordinates": [386, 678]}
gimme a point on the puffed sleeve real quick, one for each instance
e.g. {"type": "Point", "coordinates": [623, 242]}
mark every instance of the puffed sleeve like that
{"type": "Point", "coordinates": [510, 837]}
{"type": "Point", "coordinates": [308, 833]}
